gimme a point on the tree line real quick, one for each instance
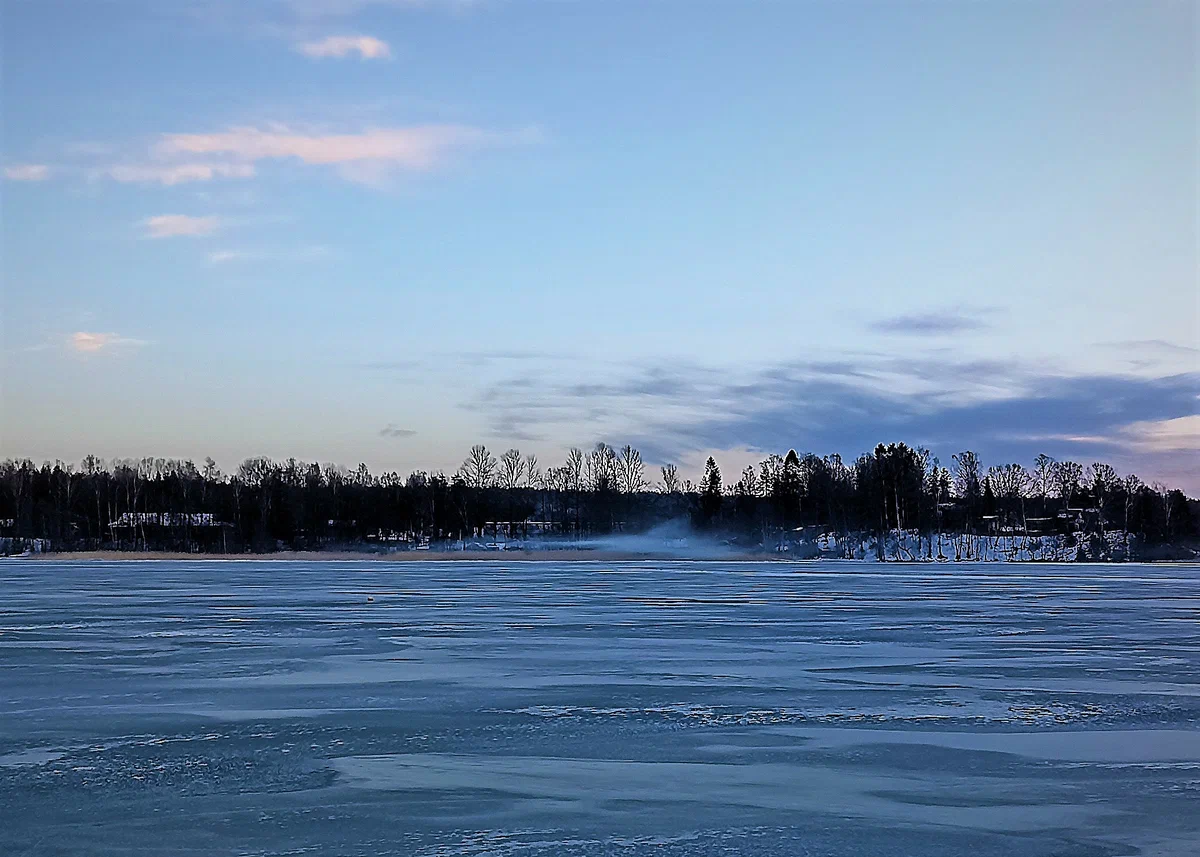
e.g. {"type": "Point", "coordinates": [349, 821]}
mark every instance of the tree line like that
{"type": "Point", "coordinates": [265, 505]}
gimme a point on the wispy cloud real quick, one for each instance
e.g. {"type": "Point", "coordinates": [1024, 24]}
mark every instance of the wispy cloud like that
{"type": "Point", "coordinates": [943, 322]}
{"type": "Point", "coordinates": [367, 155]}
{"type": "Point", "coordinates": [1154, 345]}
{"type": "Point", "coordinates": [1155, 355]}
{"type": "Point", "coordinates": [367, 47]}
{"type": "Point", "coordinates": [221, 257]}
{"type": "Point", "coordinates": [359, 156]}
{"type": "Point", "coordinates": [27, 172]}
{"type": "Point", "coordinates": [1181, 434]}
{"type": "Point", "coordinates": [309, 253]}
{"type": "Point", "coordinates": [173, 174]}
{"type": "Point", "coordinates": [84, 342]}
{"type": "Point", "coordinates": [176, 225]}
{"type": "Point", "coordinates": [392, 430]}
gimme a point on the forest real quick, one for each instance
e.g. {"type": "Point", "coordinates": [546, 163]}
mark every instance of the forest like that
{"type": "Point", "coordinates": [266, 505]}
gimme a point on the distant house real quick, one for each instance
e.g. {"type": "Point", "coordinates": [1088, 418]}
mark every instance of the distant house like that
{"type": "Point", "coordinates": [1080, 518]}
{"type": "Point", "coordinates": [513, 529]}
{"type": "Point", "coordinates": [395, 536]}
{"type": "Point", "coordinates": [129, 520]}
{"type": "Point", "coordinates": [1043, 526]}
{"type": "Point", "coordinates": [181, 530]}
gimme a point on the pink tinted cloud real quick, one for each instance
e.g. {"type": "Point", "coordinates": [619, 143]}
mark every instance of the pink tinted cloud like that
{"type": "Point", "coordinates": [27, 172]}
{"type": "Point", "coordinates": [1181, 434]}
{"type": "Point", "coordinates": [379, 150]}
{"type": "Point", "coordinates": [84, 342]}
{"type": "Point", "coordinates": [367, 47]}
{"type": "Point", "coordinates": [176, 225]}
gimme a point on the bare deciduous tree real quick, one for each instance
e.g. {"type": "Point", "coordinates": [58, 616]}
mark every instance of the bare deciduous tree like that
{"type": "Point", "coordinates": [630, 471]}
{"type": "Point", "coordinates": [557, 479]}
{"type": "Point", "coordinates": [574, 469]}
{"type": "Point", "coordinates": [1043, 475]}
{"type": "Point", "coordinates": [1133, 489]}
{"type": "Point", "coordinates": [748, 485]}
{"type": "Point", "coordinates": [1066, 476]}
{"type": "Point", "coordinates": [512, 469]}
{"type": "Point", "coordinates": [479, 468]}
{"type": "Point", "coordinates": [1009, 481]}
{"type": "Point", "coordinates": [1104, 480]}
{"type": "Point", "coordinates": [533, 476]}
{"type": "Point", "coordinates": [670, 479]}
{"type": "Point", "coordinates": [967, 475]}
{"type": "Point", "coordinates": [769, 473]}
{"type": "Point", "coordinates": [600, 468]}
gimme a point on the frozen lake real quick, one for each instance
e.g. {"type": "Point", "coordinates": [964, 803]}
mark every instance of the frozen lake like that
{"type": "Point", "coordinates": [666, 708]}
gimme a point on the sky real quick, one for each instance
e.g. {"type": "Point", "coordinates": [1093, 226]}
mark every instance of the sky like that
{"type": "Point", "coordinates": [384, 230]}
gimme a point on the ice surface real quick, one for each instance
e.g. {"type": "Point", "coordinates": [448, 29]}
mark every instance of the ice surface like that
{"type": "Point", "coordinates": [545, 708]}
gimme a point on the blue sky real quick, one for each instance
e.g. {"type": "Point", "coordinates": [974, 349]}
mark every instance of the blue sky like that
{"type": "Point", "coordinates": [349, 230]}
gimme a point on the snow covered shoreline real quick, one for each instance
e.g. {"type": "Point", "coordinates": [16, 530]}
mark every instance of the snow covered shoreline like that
{"type": "Point", "coordinates": [903, 547]}
{"type": "Point", "coordinates": [909, 546]}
